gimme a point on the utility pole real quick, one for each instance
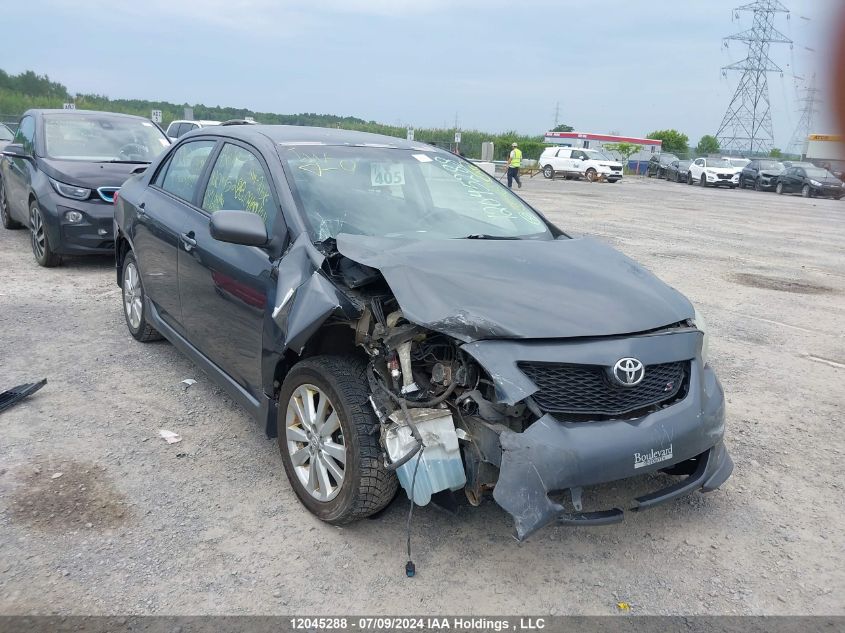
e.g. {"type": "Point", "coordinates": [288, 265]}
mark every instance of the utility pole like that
{"type": "Point", "coordinates": [810, 101]}
{"type": "Point", "coordinates": [557, 114]}
{"type": "Point", "coordinates": [747, 124]}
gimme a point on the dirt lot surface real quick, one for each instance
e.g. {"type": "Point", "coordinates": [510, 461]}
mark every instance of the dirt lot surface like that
{"type": "Point", "coordinates": [211, 526]}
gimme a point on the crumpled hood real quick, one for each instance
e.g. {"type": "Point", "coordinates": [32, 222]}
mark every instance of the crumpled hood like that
{"type": "Point", "coordinates": [83, 173]}
{"type": "Point", "coordinates": [483, 289]}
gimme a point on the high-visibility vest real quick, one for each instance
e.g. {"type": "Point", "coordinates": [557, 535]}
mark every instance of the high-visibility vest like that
{"type": "Point", "coordinates": [515, 157]}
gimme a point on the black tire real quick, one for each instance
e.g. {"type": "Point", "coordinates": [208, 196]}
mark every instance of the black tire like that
{"type": "Point", "coordinates": [42, 250]}
{"type": "Point", "coordinates": [806, 192]}
{"type": "Point", "coordinates": [591, 174]}
{"type": "Point", "coordinates": [690, 180]}
{"type": "Point", "coordinates": [367, 486]}
{"type": "Point", "coordinates": [837, 197]}
{"type": "Point", "coordinates": [141, 331]}
{"type": "Point", "coordinates": [703, 181]}
{"type": "Point", "coordinates": [779, 188]}
{"type": "Point", "coordinates": [5, 217]}
{"type": "Point", "coordinates": [548, 172]}
{"type": "Point", "coordinates": [757, 185]}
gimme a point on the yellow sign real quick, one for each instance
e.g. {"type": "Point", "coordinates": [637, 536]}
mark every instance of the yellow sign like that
{"type": "Point", "coordinates": [825, 137]}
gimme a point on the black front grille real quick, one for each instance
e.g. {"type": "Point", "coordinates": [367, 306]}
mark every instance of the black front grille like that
{"type": "Point", "coordinates": [725, 176]}
{"type": "Point", "coordinates": [589, 389]}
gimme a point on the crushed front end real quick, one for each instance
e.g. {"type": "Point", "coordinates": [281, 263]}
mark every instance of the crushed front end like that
{"type": "Point", "coordinates": [532, 418]}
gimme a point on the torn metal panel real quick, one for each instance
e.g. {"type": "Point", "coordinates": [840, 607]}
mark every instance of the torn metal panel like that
{"type": "Point", "coordinates": [483, 289]}
{"type": "Point", "coordinates": [16, 394]}
{"type": "Point", "coordinates": [551, 456]}
{"type": "Point", "coordinates": [305, 297]}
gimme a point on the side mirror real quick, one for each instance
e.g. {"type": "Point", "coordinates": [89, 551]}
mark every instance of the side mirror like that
{"type": "Point", "coordinates": [238, 227]}
{"type": "Point", "coordinates": [15, 150]}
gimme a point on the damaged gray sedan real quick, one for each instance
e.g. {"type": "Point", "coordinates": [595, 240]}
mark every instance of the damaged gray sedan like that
{"type": "Point", "coordinates": [395, 316]}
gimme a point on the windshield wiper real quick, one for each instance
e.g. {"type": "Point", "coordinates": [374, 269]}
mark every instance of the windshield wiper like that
{"type": "Point", "coordinates": [485, 236]}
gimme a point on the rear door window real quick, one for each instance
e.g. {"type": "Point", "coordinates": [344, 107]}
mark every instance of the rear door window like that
{"type": "Point", "coordinates": [183, 171]}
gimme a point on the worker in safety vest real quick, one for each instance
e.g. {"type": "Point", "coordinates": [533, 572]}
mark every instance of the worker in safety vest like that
{"type": "Point", "coordinates": [514, 162]}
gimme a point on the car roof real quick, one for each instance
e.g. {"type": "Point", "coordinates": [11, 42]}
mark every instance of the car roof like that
{"type": "Point", "coordinates": [83, 112]}
{"type": "Point", "coordinates": [299, 134]}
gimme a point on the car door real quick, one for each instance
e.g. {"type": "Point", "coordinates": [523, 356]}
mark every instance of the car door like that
{"type": "Point", "coordinates": [163, 211]}
{"type": "Point", "coordinates": [18, 173]}
{"type": "Point", "coordinates": [561, 160]}
{"type": "Point", "coordinates": [790, 179]}
{"type": "Point", "coordinates": [224, 287]}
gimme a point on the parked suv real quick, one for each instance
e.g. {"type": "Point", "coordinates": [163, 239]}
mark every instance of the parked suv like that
{"type": "Point", "coordinates": [321, 276]}
{"type": "Point", "coordinates": [714, 172]}
{"type": "Point", "coordinates": [658, 164]}
{"type": "Point", "coordinates": [586, 163]}
{"type": "Point", "coordinates": [59, 175]}
{"type": "Point", "coordinates": [760, 173]}
{"type": "Point", "coordinates": [180, 127]}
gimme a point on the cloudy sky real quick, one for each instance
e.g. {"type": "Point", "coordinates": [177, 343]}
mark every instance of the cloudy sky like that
{"type": "Point", "coordinates": [630, 66]}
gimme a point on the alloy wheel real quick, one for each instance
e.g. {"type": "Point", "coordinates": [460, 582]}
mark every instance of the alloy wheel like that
{"type": "Point", "coordinates": [315, 442]}
{"type": "Point", "coordinates": [132, 295]}
{"type": "Point", "coordinates": [36, 227]}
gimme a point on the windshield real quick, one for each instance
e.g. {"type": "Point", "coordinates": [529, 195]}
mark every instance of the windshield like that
{"type": "Point", "coordinates": [5, 133]}
{"type": "Point", "coordinates": [738, 162]}
{"type": "Point", "coordinates": [818, 172]}
{"type": "Point", "coordinates": [771, 165]}
{"type": "Point", "coordinates": [594, 155]}
{"type": "Point", "coordinates": [102, 138]}
{"type": "Point", "coordinates": [667, 158]}
{"type": "Point", "coordinates": [719, 162]}
{"type": "Point", "coordinates": [403, 193]}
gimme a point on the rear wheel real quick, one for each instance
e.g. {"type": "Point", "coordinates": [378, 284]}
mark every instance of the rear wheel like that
{"type": "Point", "coordinates": [134, 306]}
{"type": "Point", "coordinates": [779, 188]}
{"type": "Point", "coordinates": [327, 438]}
{"type": "Point", "coordinates": [806, 191]}
{"type": "Point", "coordinates": [548, 172]}
{"type": "Point", "coordinates": [5, 217]}
{"type": "Point", "coordinates": [41, 248]}
{"type": "Point", "coordinates": [591, 174]}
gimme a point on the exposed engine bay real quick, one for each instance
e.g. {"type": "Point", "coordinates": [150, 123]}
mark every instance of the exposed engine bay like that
{"type": "Point", "coordinates": [458, 391]}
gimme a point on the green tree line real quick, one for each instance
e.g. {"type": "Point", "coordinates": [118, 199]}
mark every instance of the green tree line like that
{"type": "Point", "coordinates": [30, 90]}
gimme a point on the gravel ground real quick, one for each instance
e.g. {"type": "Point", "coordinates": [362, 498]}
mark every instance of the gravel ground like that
{"type": "Point", "coordinates": [211, 526]}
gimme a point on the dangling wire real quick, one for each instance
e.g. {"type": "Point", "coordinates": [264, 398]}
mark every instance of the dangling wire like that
{"type": "Point", "coordinates": [410, 568]}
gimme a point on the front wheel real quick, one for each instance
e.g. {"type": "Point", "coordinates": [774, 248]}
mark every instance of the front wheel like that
{"type": "Point", "coordinates": [703, 181]}
{"type": "Point", "coordinates": [757, 185]}
{"type": "Point", "coordinates": [134, 305]}
{"type": "Point", "coordinates": [779, 188]}
{"type": "Point", "coordinates": [591, 174]}
{"type": "Point", "coordinates": [327, 438]}
{"type": "Point", "coordinates": [690, 181]}
{"type": "Point", "coordinates": [40, 241]}
{"type": "Point", "coordinates": [806, 192]}
{"type": "Point", "coordinates": [548, 172]}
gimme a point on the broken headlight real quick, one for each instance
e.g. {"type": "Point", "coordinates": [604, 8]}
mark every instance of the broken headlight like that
{"type": "Point", "coordinates": [700, 323]}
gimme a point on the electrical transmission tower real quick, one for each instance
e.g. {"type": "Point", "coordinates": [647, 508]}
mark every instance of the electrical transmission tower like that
{"type": "Point", "coordinates": [747, 125]}
{"type": "Point", "coordinates": [810, 101]}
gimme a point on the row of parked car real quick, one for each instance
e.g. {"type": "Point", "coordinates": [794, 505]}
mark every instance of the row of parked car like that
{"type": "Point", "coordinates": [761, 174]}
{"type": "Point", "coordinates": [356, 294]}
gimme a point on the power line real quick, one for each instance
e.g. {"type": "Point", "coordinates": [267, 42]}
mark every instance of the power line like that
{"type": "Point", "coordinates": [747, 124]}
{"type": "Point", "coordinates": [810, 101]}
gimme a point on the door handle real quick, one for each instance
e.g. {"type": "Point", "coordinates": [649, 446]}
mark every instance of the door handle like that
{"type": "Point", "coordinates": [142, 210]}
{"type": "Point", "coordinates": [188, 241]}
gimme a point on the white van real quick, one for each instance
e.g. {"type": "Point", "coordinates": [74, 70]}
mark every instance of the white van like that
{"type": "Point", "coordinates": [181, 127]}
{"type": "Point", "coordinates": [573, 161]}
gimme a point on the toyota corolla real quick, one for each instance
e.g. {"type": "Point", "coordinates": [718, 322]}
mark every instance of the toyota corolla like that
{"type": "Point", "coordinates": [395, 316]}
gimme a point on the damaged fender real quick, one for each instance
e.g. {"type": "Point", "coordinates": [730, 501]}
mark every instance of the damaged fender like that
{"type": "Point", "coordinates": [305, 297]}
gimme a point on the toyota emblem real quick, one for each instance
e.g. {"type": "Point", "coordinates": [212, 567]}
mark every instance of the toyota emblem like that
{"type": "Point", "coordinates": [628, 372]}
